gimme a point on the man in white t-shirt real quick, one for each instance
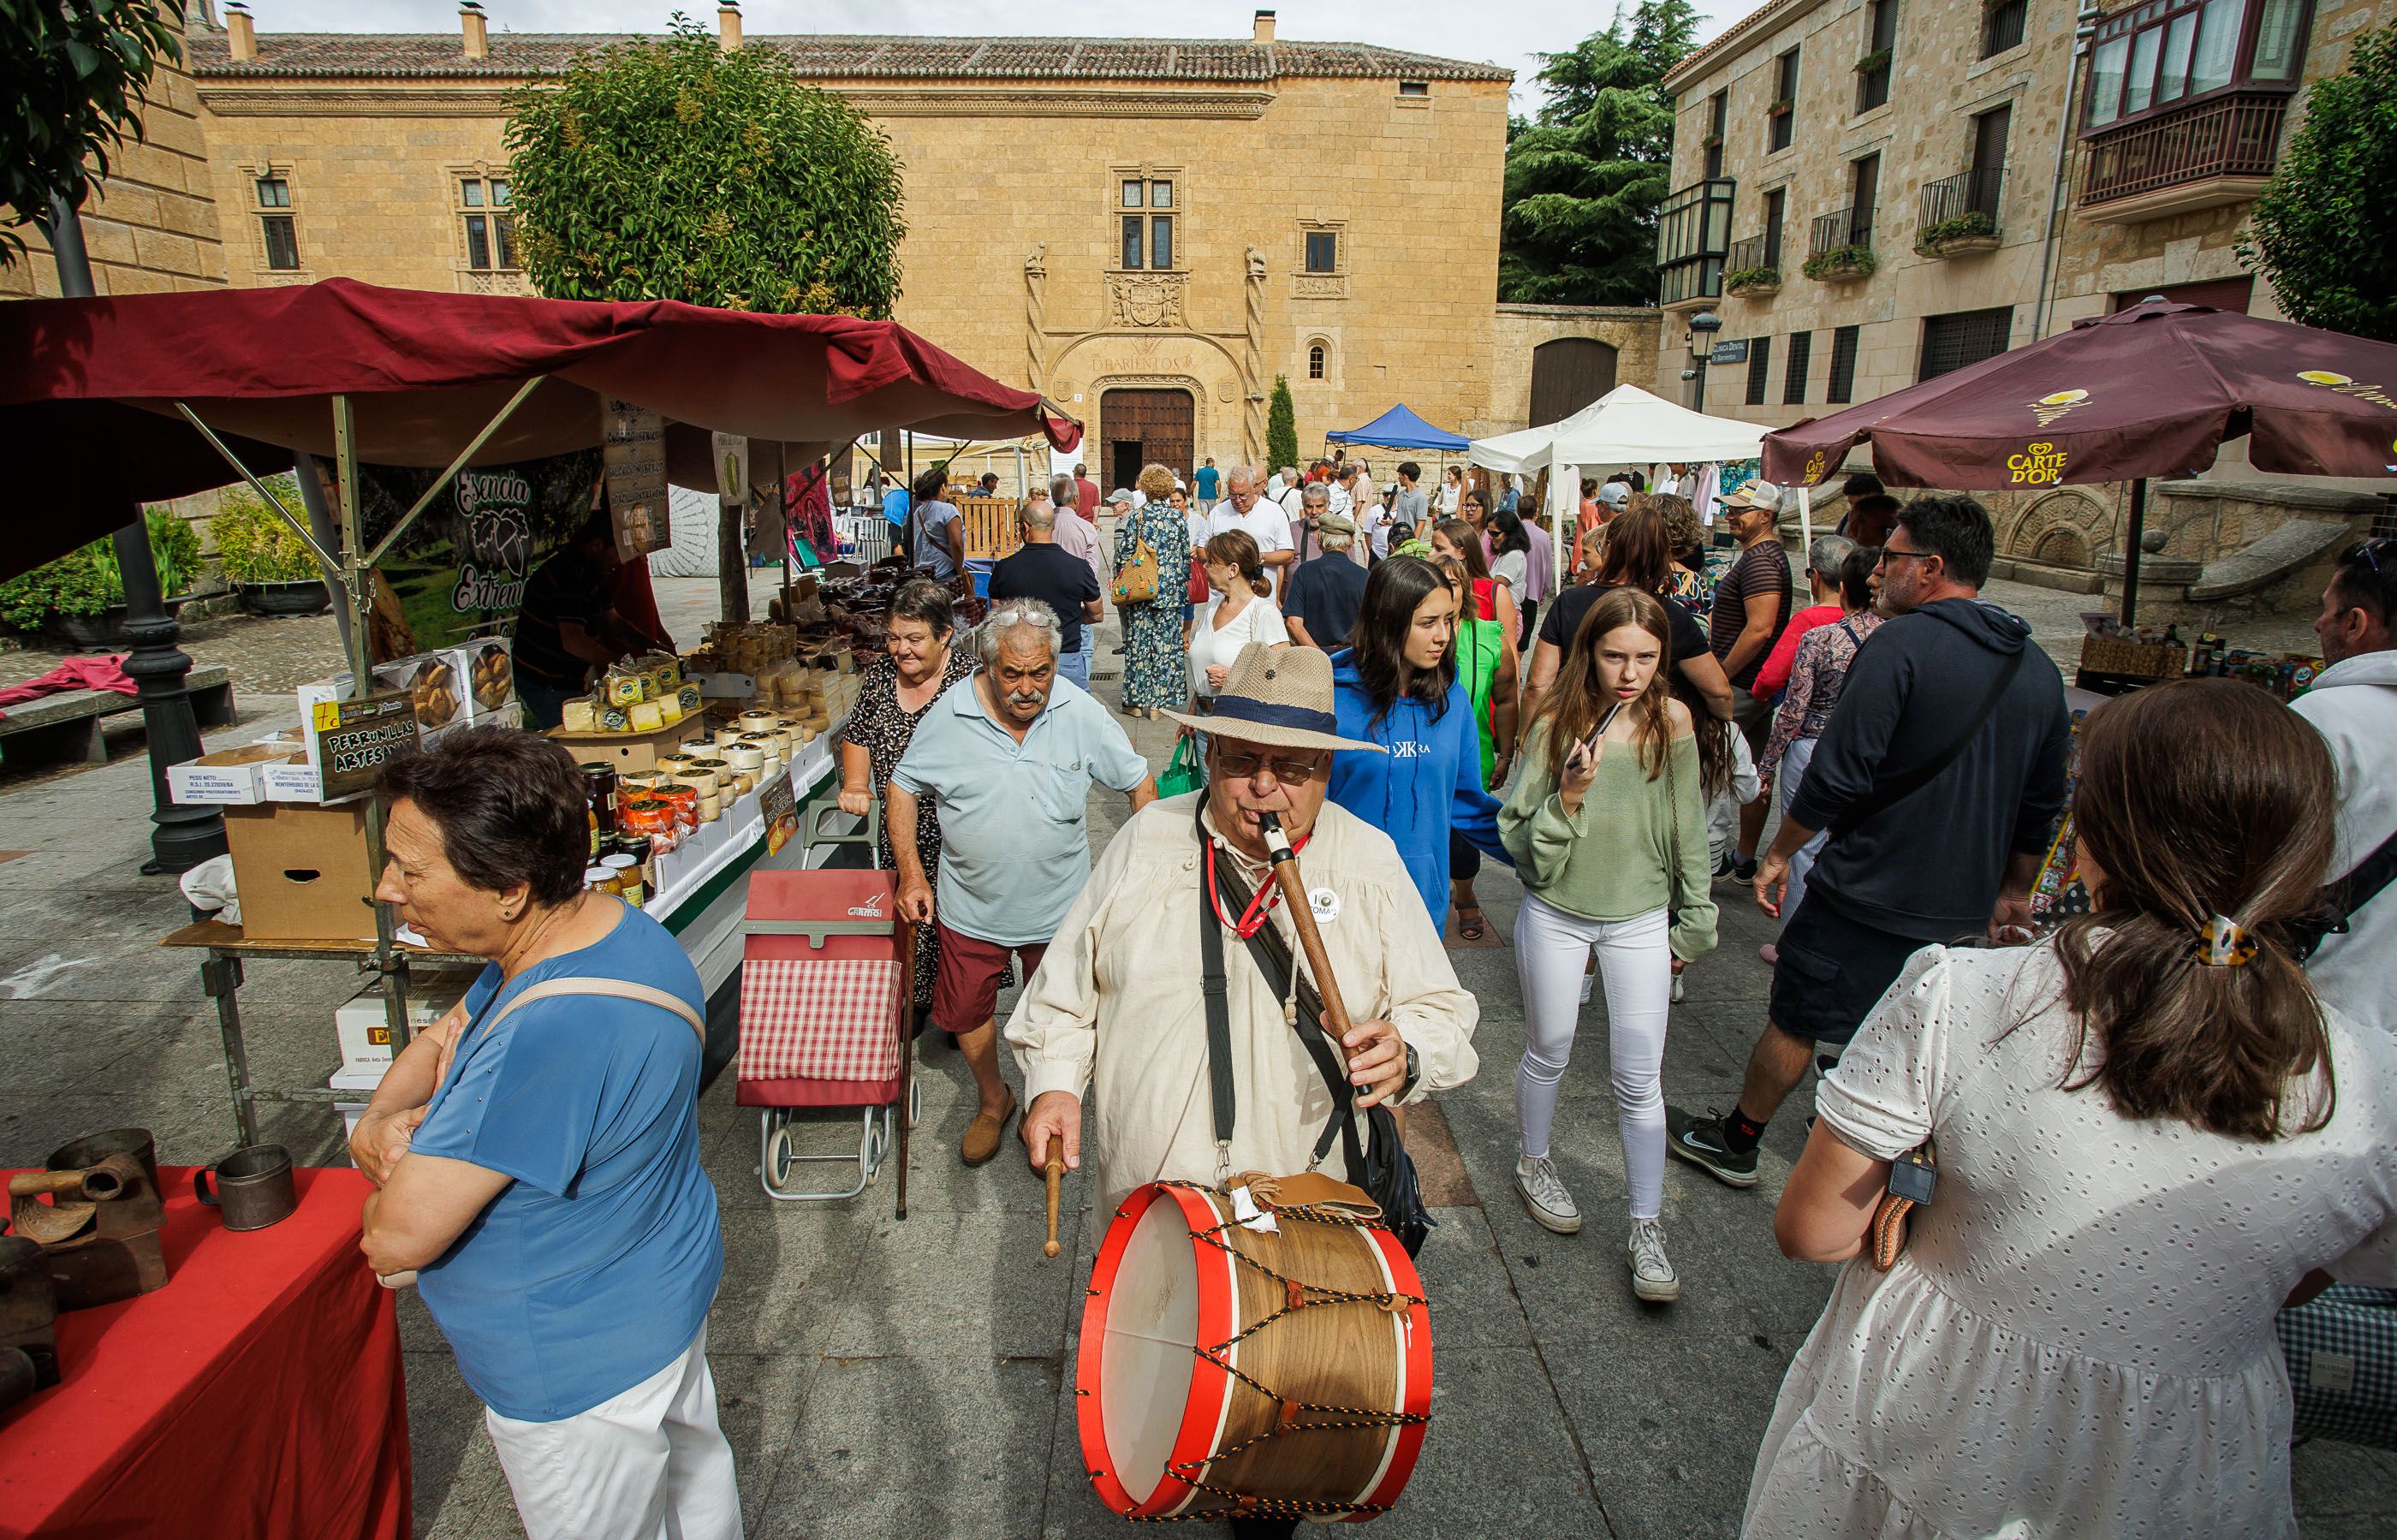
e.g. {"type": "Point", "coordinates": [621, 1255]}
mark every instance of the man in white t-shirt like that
{"type": "Point", "coordinates": [1292, 495]}
{"type": "Point", "coordinates": [1244, 508]}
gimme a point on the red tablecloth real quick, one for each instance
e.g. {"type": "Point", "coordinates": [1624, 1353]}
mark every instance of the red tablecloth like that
{"type": "Point", "coordinates": [258, 1394]}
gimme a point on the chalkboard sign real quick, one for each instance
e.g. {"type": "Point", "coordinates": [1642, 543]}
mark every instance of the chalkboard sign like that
{"type": "Point", "coordinates": [1733, 352]}
{"type": "Point", "coordinates": [356, 738]}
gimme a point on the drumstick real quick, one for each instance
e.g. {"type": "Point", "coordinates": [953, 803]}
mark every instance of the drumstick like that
{"type": "Point", "coordinates": [1057, 1171]}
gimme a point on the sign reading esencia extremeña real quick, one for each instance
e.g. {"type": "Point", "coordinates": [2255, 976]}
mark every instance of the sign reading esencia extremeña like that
{"type": "Point", "coordinates": [354, 738]}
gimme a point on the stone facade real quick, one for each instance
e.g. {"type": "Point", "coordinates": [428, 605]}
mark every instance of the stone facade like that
{"type": "Point", "coordinates": [151, 225]}
{"type": "Point", "coordinates": [1518, 332]}
{"type": "Point", "coordinates": [1015, 153]}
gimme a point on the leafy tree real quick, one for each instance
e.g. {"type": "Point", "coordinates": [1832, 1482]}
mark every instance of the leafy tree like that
{"type": "Point", "coordinates": [79, 75]}
{"type": "Point", "coordinates": [1281, 426]}
{"type": "Point", "coordinates": [672, 168]}
{"type": "Point", "coordinates": [2320, 234]}
{"type": "Point", "coordinates": [1584, 177]}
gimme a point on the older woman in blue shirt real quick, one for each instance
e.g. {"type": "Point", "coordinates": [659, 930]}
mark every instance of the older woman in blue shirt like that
{"type": "Point", "coordinates": [536, 1153]}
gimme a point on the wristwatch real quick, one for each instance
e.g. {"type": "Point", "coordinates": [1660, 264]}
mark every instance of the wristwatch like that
{"type": "Point", "coordinates": [1414, 1073]}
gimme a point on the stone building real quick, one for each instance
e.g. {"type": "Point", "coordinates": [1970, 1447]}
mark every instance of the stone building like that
{"type": "Point", "coordinates": [1149, 230]}
{"type": "Point", "coordinates": [1870, 195]}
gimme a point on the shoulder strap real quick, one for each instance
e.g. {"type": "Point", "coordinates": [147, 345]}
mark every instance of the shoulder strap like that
{"type": "Point", "coordinates": [1214, 991]}
{"type": "Point", "coordinates": [1899, 787]}
{"type": "Point", "coordinates": [619, 988]}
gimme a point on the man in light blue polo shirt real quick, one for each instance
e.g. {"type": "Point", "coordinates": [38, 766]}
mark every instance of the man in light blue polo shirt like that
{"type": "Point", "coordinates": [1008, 757]}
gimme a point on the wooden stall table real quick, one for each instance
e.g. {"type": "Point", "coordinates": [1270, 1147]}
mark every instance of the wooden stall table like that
{"type": "Point", "coordinates": [258, 1394]}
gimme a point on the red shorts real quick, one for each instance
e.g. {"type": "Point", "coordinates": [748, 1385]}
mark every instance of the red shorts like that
{"type": "Point", "coordinates": [965, 987]}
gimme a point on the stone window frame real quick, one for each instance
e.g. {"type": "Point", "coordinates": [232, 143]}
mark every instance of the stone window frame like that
{"type": "Point", "coordinates": [462, 254]}
{"type": "Point", "coordinates": [1306, 284]}
{"type": "Point", "coordinates": [1330, 378]}
{"type": "Point", "coordinates": [251, 174]}
{"type": "Point", "coordinates": [1178, 178]}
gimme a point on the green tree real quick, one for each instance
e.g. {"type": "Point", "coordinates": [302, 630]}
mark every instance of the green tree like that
{"type": "Point", "coordinates": [672, 168]}
{"type": "Point", "coordinates": [1281, 426]}
{"type": "Point", "coordinates": [2320, 234]}
{"type": "Point", "coordinates": [1585, 175]}
{"type": "Point", "coordinates": [78, 73]}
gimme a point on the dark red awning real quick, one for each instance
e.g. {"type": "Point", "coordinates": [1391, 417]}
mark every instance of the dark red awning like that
{"type": "Point", "coordinates": [2151, 391]}
{"type": "Point", "coordinates": [87, 387]}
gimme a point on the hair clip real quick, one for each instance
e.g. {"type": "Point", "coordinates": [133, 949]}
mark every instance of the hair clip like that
{"type": "Point", "coordinates": [2224, 943]}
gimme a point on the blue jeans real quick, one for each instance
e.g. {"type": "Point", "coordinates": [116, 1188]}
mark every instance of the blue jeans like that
{"type": "Point", "coordinates": [1077, 665]}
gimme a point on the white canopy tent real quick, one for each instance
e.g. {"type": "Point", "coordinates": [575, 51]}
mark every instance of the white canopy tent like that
{"type": "Point", "coordinates": [1626, 427]}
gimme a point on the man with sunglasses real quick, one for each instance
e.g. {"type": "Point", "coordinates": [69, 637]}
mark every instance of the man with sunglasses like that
{"type": "Point", "coordinates": [1940, 777]}
{"type": "Point", "coordinates": [1117, 1014]}
{"type": "Point", "coordinates": [2353, 705]}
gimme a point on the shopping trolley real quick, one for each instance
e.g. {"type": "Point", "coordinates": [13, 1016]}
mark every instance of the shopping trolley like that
{"type": "Point", "coordinates": [826, 986]}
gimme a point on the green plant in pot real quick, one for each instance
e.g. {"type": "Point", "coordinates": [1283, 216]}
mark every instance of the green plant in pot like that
{"type": "Point", "coordinates": [1971, 224]}
{"type": "Point", "coordinates": [84, 584]}
{"type": "Point", "coordinates": [1753, 277]}
{"type": "Point", "coordinates": [1842, 261]}
{"type": "Point", "coordinates": [255, 543]}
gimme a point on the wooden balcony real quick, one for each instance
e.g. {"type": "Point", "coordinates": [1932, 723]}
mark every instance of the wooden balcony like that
{"type": "Point", "coordinates": [2216, 151]}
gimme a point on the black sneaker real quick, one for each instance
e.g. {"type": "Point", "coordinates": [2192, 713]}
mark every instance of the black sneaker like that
{"type": "Point", "coordinates": [1700, 1142]}
{"type": "Point", "coordinates": [1722, 866]}
{"type": "Point", "coordinates": [1743, 870]}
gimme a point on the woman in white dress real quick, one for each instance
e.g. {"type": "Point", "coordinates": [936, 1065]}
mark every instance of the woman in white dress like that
{"type": "Point", "coordinates": [1240, 610]}
{"type": "Point", "coordinates": [2149, 1135]}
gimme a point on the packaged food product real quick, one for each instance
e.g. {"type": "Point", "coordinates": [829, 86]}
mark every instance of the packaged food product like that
{"type": "Point", "coordinates": [624, 690]}
{"type": "Point", "coordinates": [599, 791]}
{"type": "Point", "coordinates": [598, 880]}
{"type": "Point", "coordinates": [624, 873]}
{"type": "Point", "coordinates": [582, 715]}
{"type": "Point", "coordinates": [615, 719]}
{"type": "Point", "coordinates": [648, 717]}
{"type": "Point", "coordinates": [684, 800]}
{"type": "Point", "coordinates": [689, 698]}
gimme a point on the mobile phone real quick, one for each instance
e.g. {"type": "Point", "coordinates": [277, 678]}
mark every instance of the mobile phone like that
{"type": "Point", "coordinates": [1590, 743]}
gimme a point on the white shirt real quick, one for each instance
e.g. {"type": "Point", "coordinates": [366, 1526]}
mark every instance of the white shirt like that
{"type": "Point", "coordinates": [1342, 499]}
{"type": "Point", "coordinates": [2353, 705]}
{"type": "Point", "coordinates": [1448, 494]}
{"type": "Point", "coordinates": [1257, 622]}
{"type": "Point", "coordinates": [1265, 524]}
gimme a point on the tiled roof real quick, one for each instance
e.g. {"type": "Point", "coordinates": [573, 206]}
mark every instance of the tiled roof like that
{"type": "Point", "coordinates": [1709, 52]}
{"type": "Point", "coordinates": [828, 55]}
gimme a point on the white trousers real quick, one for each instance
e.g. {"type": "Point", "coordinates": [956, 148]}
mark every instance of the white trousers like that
{"type": "Point", "coordinates": [649, 1464]}
{"type": "Point", "coordinates": [1794, 760]}
{"type": "Point", "coordinates": [1636, 965]}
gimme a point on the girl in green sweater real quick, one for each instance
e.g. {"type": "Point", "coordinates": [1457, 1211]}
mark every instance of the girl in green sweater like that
{"type": "Point", "coordinates": [1607, 828]}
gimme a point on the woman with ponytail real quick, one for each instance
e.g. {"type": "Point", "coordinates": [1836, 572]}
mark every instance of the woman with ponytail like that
{"type": "Point", "coordinates": [1240, 610]}
{"type": "Point", "coordinates": [2147, 1133]}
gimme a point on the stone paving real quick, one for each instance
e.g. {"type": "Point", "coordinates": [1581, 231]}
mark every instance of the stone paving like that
{"type": "Point", "coordinates": [887, 1378]}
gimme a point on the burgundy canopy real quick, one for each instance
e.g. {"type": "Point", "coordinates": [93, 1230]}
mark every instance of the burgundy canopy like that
{"type": "Point", "coordinates": [88, 387]}
{"type": "Point", "coordinates": [2151, 391]}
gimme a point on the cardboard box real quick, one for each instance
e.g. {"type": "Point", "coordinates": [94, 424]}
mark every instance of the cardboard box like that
{"type": "Point", "coordinates": [630, 751]}
{"type": "Point", "coordinates": [301, 871]}
{"type": "Point", "coordinates": [437, 685]}
{"type": "Point", "coordinates": [228, 778]}
{"type": "Point", "coordinates": [291, 780]}
{"type": "Point", "coordinates": [491, 681]}
{"type": "Point", "coordinates": [364, 1030]}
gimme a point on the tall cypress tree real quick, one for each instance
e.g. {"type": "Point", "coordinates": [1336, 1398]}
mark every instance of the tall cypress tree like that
{"type": "Point", "coordinates": [1281, 426]}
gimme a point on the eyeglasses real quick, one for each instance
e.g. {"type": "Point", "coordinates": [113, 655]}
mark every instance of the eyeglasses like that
{"type": "Point", "coordinates": [1290, 772]}
{"type": "Point", "coordinates": [2370, 552]}
{"type": "Point", "coordinates": [1891, 553]}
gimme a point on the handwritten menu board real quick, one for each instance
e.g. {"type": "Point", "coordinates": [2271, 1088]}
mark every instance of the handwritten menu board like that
{"type": "Point", "coordinates": [356, 738]}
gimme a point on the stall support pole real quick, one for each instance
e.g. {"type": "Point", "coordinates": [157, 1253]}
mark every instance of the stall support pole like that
{"type": "Point", "coordinates": [2139, 528]}
{"type": "Point", "coordinates": [357, 584]}
{"type": "Point", "coordinates": [180, 836]}
{"type": "Point", "coordinates": [782, 496]}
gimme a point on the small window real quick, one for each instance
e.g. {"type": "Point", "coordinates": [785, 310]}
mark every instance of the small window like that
{"type": "Point", "coordinates": [1131, 193]}
{"type": "Point", "coordinates": [499, 193]}
{"type": "Point", "coordinates": [1315, 362]}
{"type": "Point", "coordinates": [2002, 26]}
{"type": "Point", "coordinates": [1784, 105]}
{"type": "Point", "coordinates": [469, 192]}
{"type": "Point", "coordinates": [1843, 385]}
{"type": "Point", "coordinates": [1950, 343]}
{"type": "Point", "coordinates": [273, 193]}
{"type": "Point", "coordinates": [1793, 379]}
{"type": "Point", "coordinates": [1161, 195]}
{"type": "Point", "coordinates": [1760, 368]}
{"type": "Point", "coordinates": [1323, 251]}
{"type": "Point", "coordinates": [1718, 118]}
{"type": "Point", "coordinates": [282, 243]}
{"type": "Point", "coordinates": [1160, 243]}
{"type": "Point", "coordinates": [1134, 229]}
{"type": "Point", "coordinates": [1146, 238]}
{"type": "Point", "coordinates": [1414, 87]}
{"type": "Point", "coordinates": [489, 235]}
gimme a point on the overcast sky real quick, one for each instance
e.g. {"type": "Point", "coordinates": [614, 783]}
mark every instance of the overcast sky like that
{"type": "Point", "coordinates": [1501, 31]}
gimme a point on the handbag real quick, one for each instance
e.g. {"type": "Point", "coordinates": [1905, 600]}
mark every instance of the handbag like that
{"type": "Point", "coordinates": [1196, 592]}
{"type": "Point", "coordinates": [1183, 773]}
{"type": "Point", "coordinates": [1136, 578]}
{"type": "Point", "coordinates": [1386, 1170]}
{"type": "Point", "coordinates": [1912, 1177]}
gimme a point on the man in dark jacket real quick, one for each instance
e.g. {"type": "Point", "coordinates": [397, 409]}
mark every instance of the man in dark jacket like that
{"type": "Point", "coordinates": [1922, 850]}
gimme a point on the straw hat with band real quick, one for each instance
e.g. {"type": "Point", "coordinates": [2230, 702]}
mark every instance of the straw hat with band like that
{"type": "Point", "coordinates": [1281, 697]}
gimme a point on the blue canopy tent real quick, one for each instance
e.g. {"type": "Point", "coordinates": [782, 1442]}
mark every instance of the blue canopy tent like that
{"type": "Point", "coordinates": [1399, 428]}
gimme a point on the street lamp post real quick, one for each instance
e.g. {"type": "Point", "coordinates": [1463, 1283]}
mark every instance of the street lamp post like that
{"type": "Point", "coordinates": [1703, 327]}
{"type": "Point", "coordinates": [183, 837]}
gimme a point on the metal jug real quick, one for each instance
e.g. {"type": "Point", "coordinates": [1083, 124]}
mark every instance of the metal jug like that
{"type": "Point", "coordinates": [253, 1186]}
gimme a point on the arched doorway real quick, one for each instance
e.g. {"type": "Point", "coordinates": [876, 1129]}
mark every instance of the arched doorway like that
{"type": "Point", "coordinates": [1567, 375]}
{"type": "Point", "coordinates": [1142, 427]}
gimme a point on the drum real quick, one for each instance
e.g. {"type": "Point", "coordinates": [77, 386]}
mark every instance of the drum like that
{"type": "Point", "coordinates": [1276, 1373]}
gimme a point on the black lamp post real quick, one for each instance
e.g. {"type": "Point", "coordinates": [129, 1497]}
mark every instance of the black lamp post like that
{"type": "Point", "coordinates": [183, 837]}
{"type": "Point", "coordinates": [1703, 327]}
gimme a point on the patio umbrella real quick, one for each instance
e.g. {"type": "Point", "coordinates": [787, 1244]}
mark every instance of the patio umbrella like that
{"type": "Point", "coordinates": [2151, 391]}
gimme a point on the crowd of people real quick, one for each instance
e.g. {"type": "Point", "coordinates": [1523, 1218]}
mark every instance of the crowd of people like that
{"type": "Point", "coordinates": [2151, 1127]}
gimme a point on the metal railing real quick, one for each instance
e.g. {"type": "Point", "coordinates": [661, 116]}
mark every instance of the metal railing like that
{"type": "Point", "coordinates": [1973, 192]}
{"type": "Point", "coordinates": [2231, 136]}
{"type": "Point", "coordinates": [1844, 228]}
{"type": "Point", "coordinates": [1744, 255]}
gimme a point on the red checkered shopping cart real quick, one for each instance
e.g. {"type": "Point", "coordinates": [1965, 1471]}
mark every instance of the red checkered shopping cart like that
{"type": "Point", "coordinates": [826, 979]}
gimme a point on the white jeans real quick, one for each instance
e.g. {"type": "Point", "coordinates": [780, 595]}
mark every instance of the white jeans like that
{"type": "Point", "coordinates": [1794, 760]}
{"type": "Point", "coordinates": [1636, 967]}
{"type": "Point", "coordinates": [649, 1464]}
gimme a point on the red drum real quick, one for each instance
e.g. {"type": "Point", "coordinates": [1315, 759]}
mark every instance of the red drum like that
{"type": "Point", "coordinates": [1223, 1369]}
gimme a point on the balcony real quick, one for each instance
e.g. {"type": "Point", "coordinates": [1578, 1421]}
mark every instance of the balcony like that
{"type": "Point", "coordinates": [2216, 151]}
{"type": "Point", "coordinates": [1959, 214]}
{"type": "Point", "coordinates": [1753, 269]}
{"type": "Point", "coordinates": [1841, 247]}
{"type": "Point", "coordinates": [1693, 237]}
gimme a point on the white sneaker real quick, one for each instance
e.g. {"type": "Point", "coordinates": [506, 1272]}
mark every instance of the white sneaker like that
{"type": "Point", "coordinates": [1677, 990]}
{"type": "Point", "coordinates": [1552, 1207]}
{"type": "Point", "coordinates": [1653, 1277]}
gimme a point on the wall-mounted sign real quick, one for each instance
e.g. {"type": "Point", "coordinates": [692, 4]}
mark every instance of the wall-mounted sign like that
{"type": "Point", "coordinates": [636, 456]}
{"type": "Point", "coordinates": [732, 467]}
{"type": "Point", "coordinates": [354, 738]}
{"type": "Point", "coordinates": [1733, 352]}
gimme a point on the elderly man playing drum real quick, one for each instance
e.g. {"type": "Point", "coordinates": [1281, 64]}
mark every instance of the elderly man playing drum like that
{"type": "Point", "coordinates": [1116, 1007]}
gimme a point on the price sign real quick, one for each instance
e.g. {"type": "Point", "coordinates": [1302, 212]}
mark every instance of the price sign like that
{"type": "Point", "coordinates": [780, 810]}
{"type": "Point", "coordinates": [356, 738]}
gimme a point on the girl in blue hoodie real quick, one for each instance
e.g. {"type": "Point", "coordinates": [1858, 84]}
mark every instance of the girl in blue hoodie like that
{"type": "Point", "coordinates": [1395, 684]}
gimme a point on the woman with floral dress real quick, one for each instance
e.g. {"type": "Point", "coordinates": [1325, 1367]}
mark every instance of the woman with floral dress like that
{"type": "Point", "coordinates": [1154, 658]}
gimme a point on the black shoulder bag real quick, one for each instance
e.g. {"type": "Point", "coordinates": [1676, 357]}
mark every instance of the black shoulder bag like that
{"type": "Point", "coordinates": [1386, 1171]}
{"type": "Point", "coordinates": [1897, 788]}
{"type": "Point", "coordinates": [2340, 901]}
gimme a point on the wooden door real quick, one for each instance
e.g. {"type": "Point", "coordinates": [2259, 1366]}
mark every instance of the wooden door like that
{"type": "Point", "coordinates": [1163, 422]}
{"type": "Point", "coordinates": [1567, 375]}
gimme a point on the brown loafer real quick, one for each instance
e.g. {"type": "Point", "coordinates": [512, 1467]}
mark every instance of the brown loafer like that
{"type": "Point", "coordinates": [982, 1137]}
